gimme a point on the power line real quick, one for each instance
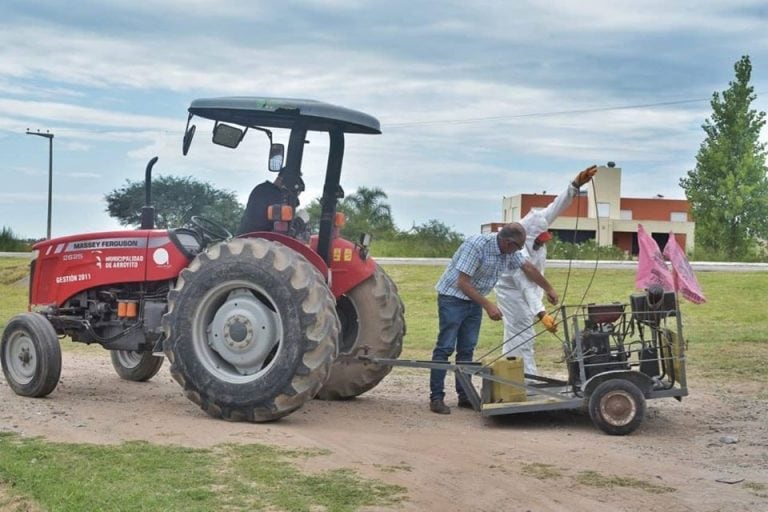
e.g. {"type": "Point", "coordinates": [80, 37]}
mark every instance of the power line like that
{"type": "Point", "coordinates": [546, 114]}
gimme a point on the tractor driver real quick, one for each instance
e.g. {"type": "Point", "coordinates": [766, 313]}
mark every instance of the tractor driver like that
{"type": "Point", "coordinates": [265, 195]}
{"type": "Point", "coordinates": [469, 277]}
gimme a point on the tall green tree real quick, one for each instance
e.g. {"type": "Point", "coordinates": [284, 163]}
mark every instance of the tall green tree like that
{"type": "Point", "coordinates": [175, 200]}
{"type": "Point", "coordinates": [728, 189]}
{"type": "Point", "coordinates": [367, 211]}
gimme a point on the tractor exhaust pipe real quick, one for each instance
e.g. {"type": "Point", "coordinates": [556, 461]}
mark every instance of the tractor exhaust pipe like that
{"type": "Point", "coordinates": [148, 211]}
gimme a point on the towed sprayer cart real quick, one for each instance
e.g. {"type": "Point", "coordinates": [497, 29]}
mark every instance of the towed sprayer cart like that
{"type": "Point", "coordinates": [616, 357]}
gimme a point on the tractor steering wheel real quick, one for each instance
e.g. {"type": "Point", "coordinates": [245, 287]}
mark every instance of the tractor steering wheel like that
{"type": "Point", "coordinates": [210, 230]}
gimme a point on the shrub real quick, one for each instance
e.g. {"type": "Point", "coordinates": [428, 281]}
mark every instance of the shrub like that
{"type": "Point", "coordinates": [9, 242]}
{"type": "Point", "coordinates": [589, 250]}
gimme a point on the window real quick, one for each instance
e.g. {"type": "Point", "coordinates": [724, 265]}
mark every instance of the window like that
{"type": "Point", "coordinates": [678, 217]}
{"type": "Point", "coordinates": [625, 214]}
{"type": "Point", "coordinates": [603, 209]}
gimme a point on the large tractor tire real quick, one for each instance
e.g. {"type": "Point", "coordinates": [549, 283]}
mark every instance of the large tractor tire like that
{"type": "Point", "coordinates": [135, 366]}
{"type": "Point", "coordinates": [251, 330]}
{"type": "Point", "coordinates": [373, 323]}
{"type": "Point", "coordinates": [31, 355]}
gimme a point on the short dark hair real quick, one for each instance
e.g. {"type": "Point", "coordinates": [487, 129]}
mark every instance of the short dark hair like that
{"type": "Point", "coordinates": [513, 231]}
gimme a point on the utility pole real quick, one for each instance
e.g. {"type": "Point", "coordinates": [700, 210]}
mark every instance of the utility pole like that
{"type": "Point", "coordinates": [48, 136]}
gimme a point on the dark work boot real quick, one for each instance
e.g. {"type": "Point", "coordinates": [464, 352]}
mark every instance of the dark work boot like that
{"type": "Point", "coordinates": [438, 406]}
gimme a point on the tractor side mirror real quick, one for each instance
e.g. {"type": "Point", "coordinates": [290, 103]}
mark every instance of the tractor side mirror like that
{"type": "Point", "coordinates": [226, 135]}
{"type": "Point", "coordinates": [188, 135]}
{"type": "Point", "coordinates": [276, 156]}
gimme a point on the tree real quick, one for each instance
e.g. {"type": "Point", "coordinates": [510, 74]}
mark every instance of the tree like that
{"type": "Point", "coordinates": [366, 211]}
{"type": "Point", "coordinates": [175, 200]}
{"type": "Point", "coordinates": [434, 231]}
{"type": "Point", "coordinates": [728, 189]}
{"type": "Point", "coordinates": [431, 239]}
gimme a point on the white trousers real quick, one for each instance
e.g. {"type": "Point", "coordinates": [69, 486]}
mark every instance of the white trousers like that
{"type": "Point", "coordinates": [519, 334]}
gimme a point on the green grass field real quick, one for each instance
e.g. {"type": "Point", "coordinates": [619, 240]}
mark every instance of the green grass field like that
{"type": "Point", "coordinates": [727, 341]}
{"type": "Point", "coordinates": [727, 337]}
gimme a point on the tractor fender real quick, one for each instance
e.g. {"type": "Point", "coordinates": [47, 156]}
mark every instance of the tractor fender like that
{"type": "Point", "coordinates": [639, 379]}
{"type": "Point", "coordinates": [348, 268]}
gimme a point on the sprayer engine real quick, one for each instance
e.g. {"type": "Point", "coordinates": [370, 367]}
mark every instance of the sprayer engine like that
{"type": "Point", "coordinates": [607, 338]}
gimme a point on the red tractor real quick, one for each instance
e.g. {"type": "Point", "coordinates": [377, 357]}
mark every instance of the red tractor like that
{"type": "Point", "coordinates": [254, 326]}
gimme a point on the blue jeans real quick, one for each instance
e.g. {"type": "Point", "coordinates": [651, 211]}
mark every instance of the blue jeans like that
{"type": "Point", "coordinates": [459, 329]}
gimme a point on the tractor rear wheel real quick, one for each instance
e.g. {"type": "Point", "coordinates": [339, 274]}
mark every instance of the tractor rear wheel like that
{"type": "Point", "coordinates": [617, 407]}
{"type": "Point", "coordinates": [31, 355]}
{"type": "Point", "coordinates": [251, 330]}
{"type": "Point", "coordinates": [135, 366]}
{"type": "Point", "coordinates": [372, 319]}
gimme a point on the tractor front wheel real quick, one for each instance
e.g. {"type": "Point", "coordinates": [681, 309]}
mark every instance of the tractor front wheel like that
{"type": "Point", "coordinates": [251, 330]}
{"type": "Point", "coordinates": [373, 323]}
{"type": "Point", "coordinates": [31, 355]}
{"type": "Point", "coordinates": [135, 366]}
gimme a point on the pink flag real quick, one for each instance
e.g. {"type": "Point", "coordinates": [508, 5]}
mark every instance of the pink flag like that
{"type": "Point", "coordinates": [651, 267]}
{"type": "Point", "coordinates": [685, 280]}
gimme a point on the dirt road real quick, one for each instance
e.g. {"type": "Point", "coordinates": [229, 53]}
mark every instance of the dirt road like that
{"type": "Point", "coordinates": [679, 459]}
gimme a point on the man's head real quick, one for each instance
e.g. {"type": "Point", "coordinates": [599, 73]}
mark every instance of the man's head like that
{"type": "Point", "coordinates": [511, 238]}
{"type": "Point", "coordinates": [290, 182]}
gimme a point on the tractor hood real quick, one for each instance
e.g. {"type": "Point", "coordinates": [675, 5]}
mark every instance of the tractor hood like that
{"type": "Point", "coordinates": [284, 113]}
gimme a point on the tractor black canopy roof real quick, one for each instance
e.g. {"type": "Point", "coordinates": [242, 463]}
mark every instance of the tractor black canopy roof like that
{"type": "Point", "coordinates": [283, 113]}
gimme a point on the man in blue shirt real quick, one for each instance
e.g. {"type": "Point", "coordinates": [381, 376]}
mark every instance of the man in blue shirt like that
{"type": "Point", "coordinates": [462, 289]}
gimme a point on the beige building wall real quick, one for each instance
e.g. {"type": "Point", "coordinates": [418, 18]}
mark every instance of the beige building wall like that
{"type": "Point", "coordinates": [604, 193]}
{"type": "Point", "coordinates": [511, 208]}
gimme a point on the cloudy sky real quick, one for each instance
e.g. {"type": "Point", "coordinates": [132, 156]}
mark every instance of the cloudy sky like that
{"type": "Point", "coordinates": [477, 100]}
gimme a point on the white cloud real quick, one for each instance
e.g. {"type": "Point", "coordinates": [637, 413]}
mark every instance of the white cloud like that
{"type": "Point", "coordinates": [87, 175]}
{"type": "Point", "coordinates": [16, 197]}
{"type": "Point", "coordinates": [75, 114]}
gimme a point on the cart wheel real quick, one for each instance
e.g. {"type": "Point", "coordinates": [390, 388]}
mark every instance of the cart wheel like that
{"type": "Point", "coordinates": [617, 407]}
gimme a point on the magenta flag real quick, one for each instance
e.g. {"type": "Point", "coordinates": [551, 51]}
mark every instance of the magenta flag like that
{"type": "Point", "coordinates": [651, 267]}
{"type": "Point", "coordinates": [682, 273]}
